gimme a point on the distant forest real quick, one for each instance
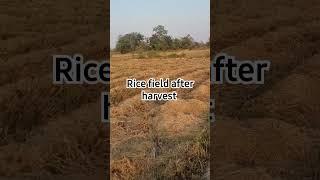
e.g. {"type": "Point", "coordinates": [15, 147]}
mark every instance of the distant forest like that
{"type": "Point", "coordinates": [159, 41]}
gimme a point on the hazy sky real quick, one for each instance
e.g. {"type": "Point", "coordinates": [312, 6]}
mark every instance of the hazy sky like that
{"type": "Point", "coordinates": [180, 17]}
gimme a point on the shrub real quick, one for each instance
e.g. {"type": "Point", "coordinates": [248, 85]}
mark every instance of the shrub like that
{"type": "Point", "coordinates": [174, 55]}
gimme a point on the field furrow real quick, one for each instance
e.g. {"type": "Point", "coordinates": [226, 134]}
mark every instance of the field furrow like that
{"type": "Point", "coordinates": [138, 127]}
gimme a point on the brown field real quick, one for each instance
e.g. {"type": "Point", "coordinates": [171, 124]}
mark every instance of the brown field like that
{"type": "Point", "coordinates": [261, 132]}
{"type": "Point", "coordinates": [47, 130]}
{"type": "Point", "coordinates": [269, 131]}
{"type": "Point", "coordinates": [177, 130]}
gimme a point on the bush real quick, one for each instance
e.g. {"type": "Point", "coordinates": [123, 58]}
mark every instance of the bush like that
{"type": "Point", "coordinates": [159, 41]}
{"type": "Point", "coordinates": [141, 56]}
{"type": "Point", "coordinates": [174, 55]}
{"type": "Point", "coordinates": [153, 54]}
{"type": "Point", "coordinates": [129, 42]}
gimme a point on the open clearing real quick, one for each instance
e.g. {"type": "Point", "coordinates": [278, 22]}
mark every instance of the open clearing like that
{"type": "Point", "coordinates": [164, 139]}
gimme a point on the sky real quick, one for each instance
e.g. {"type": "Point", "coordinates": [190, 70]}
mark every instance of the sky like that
{"type": "Point", "coordinates": [180, 17]}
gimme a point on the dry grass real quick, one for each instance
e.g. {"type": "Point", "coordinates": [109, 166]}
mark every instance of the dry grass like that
{"type": "Point", "coordinates": [269, 131]}
{"type": "Point", "coordinates": [41, 135]}
{"type": "Point", "coordinates": [160, 139]}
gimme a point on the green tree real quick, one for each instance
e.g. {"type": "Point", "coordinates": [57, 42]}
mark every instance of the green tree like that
{"type": "Point", "coordinates": [160, 31]}
{"type": "Point", "coordinates": [129, 42]}
{"type": "Point", "coordinates": [160, 39]}
{"type": "Point", "coordinates": [187, 42]}
{"type": "Point", "coordinates": [176, 43]}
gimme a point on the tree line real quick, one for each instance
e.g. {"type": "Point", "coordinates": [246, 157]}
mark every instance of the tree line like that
{"type": "Point", "coordinates": [159, 41]}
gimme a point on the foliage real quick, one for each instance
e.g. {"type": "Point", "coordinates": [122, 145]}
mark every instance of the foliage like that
{"type": "Point", "coordinates": [129, 42]}
{"type": "Point", "coordinates": [159, 41]}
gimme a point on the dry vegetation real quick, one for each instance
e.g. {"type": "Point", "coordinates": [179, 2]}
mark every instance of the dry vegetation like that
{"type": "Point", "coordinates": [269, 131]}
{"type": "Point", "coordinates": [262, 132]}
{"type": "Point", "coordinates": [47, 131]}
{"type": "Point", "coordinates": [163, 140]}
